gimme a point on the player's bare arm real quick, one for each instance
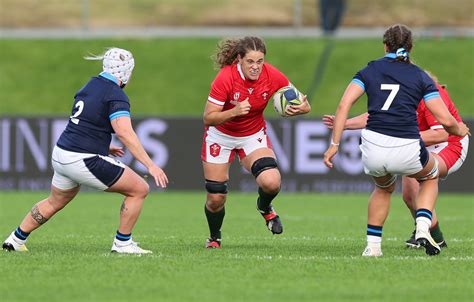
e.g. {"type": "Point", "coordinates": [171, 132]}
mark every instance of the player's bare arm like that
{"type": "Point", "coordinates": [442, 115]}
{"type": "Point", "coordinates": [125, 133]}
{"type": "Point", "coordinates": [351, 95]}
{"type": "Point", "coordinates": [357, 122]}
{"type": "Point", "coordinates": [214, 115]}
{"type": "Point", "coordinates": [434, 136]}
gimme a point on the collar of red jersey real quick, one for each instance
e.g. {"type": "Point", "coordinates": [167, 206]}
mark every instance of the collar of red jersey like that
{"type": "Point", "coordinates": [239, 68]}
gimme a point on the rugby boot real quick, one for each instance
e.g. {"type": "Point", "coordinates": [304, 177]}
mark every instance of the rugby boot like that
{"type": "Point", "coordinates": [272, 220]}
{"type": "Point", "coordinates": [213, 243]}
{"type": "Point", "coordinates": [128, 247]}
{"type": "Point", "coordinates": [12, 245]}
{"type": "Point", "coordinates": [372, 251]}
{"type": "Point", "coordinates": [425, 240]}
{"type": "Point", "coordinates": [411, 243]}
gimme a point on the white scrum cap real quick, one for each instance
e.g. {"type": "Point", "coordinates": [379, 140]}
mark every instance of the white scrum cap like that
{"type": "Point", "coordinates": [119, 63]}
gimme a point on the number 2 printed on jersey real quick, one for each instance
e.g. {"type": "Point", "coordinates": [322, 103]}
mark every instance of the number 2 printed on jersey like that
{"type": "Point", "coordinates": [80, 108]}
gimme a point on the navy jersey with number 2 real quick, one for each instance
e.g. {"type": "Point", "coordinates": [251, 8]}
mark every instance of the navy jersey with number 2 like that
{"type": "Point", "coordinates": [394, 90]}
{"type": "Point", "coordinates": [97, 103]}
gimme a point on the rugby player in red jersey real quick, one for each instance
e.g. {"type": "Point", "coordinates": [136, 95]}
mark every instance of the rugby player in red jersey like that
{"type": "Point", "coordinates": [450, 150]}
{"type": "Point", "coordinates": [234, 123]}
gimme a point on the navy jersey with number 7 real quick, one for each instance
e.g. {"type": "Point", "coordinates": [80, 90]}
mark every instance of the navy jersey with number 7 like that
{"type": "Point", "coordinates": [95, 105]}
{"type": "Point", "coordinates": [394, 90]}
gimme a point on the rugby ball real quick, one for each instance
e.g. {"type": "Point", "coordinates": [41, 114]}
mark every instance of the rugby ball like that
{"type": "Point", "coordinates": [284, 97]}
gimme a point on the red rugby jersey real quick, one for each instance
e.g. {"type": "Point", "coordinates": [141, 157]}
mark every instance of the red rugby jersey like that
{"type": "Point", "coordinates": [231, 86]}
{"type": "Point", "coordinates": [426, 120]}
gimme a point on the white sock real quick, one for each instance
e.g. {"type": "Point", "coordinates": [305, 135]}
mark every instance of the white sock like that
{"type": "Point", "coordinates": [17, 240]}
{"type": "Point", "coordinates": [423, 224]}
{"type": "Point", "coordinates": [374, 241]}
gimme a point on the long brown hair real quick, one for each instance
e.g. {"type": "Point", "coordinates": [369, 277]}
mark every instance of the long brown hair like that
{"type": "Point", "coordinates": [228, 49]}
{"type": "Point", "coordinates": [396, 37]}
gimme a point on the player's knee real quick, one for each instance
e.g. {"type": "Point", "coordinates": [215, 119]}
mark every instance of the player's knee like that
{"type": "Point", "coordinates": [55, 205]}
{"type": "Point", "coordinates": [387, 186]}
{"type": "Point", "coordinates": [271, 186]}
{"type": "Point", "coordinates": [263, 164]}
{"type": "Point", "coordinates": [215, 203]}
{"type": "Point", "coordinates": [432, 174]}
{"type": "Point", "coordinates": [142, 190]}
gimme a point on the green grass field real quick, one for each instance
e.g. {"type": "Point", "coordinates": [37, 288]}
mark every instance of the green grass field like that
{"type": "Point", "coordinates": [317, 258]}
{"type": "Point", "coordinates": [173, 76]}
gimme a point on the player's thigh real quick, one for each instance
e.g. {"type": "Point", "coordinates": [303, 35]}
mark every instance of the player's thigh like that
{"type": "Point", "coordinates": [442, 167]}
{"type": "Point", "coordinates": [130, 184]}
{"type": "Point", "coordinates": [59, 198]}
{"type": "Point", "coordinates": [216, 172]}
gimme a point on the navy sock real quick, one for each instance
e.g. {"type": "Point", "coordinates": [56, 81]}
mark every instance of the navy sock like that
{"type": "Point", "coordinates": [424, 213]}
{"type": "Point", "coordinates": [21, 234]}
{"type": "Point", "coordinates": [374, 230]}
{"type": "Point", "coordinates": [215, 220]}
{"type": "Point", "coordinates": [123, 237]}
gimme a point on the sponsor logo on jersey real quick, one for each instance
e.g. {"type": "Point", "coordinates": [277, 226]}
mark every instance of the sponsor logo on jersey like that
{"type": "Point", "coordinates": [264, 95]}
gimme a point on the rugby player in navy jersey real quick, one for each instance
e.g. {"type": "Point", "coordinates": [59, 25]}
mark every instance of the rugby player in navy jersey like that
{"type": "Point", "coordinates": [391, 143]}
{"type": "Point", "coordinates": [80, 156]}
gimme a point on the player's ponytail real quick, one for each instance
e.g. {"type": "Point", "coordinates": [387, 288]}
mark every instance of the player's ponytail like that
{"type": "Point", "coordinates": [229, 49]}
{"type": "Point", "coordinates": [398, 39]}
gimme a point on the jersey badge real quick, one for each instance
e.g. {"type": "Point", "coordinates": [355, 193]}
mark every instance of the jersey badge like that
{"type": "Point", "coordinates": [236, 96]}
{"type": "Point", "coordinates": [264, 95]}
{"type": "Point", "coordinates": [215, 149]}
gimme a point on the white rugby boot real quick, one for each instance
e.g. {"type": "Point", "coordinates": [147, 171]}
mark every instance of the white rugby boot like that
{"type": "Point", "coordinates": [372, 251]}
{"type": "Point", "coordinates": [13, 245]}
{"type": "Point", "coordinates": [424, 239]}
{"type": "Point", "coordinates": [128, 247]}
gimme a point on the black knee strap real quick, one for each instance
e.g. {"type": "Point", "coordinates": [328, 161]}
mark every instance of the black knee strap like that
{"type": "Point", "coordinates": [216, 187]}
{"type": "Point", "coordinates": [263, 164]}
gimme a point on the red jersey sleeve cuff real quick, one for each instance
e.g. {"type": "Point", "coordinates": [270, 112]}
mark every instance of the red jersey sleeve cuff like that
{"type": "Point", "coordinates": [214, 101]}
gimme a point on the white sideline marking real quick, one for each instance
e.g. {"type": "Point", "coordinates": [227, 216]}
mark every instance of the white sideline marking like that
{"type": "Point", "coordinates": [332, 258]}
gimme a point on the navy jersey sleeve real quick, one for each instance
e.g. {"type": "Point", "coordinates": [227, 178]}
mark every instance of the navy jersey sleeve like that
{"type": "Point", "coordinates": [119, 104]}
{"type": "Point", "coordinates": [359, 80]}
{"type": "Point", "coordinates": [429, 88]}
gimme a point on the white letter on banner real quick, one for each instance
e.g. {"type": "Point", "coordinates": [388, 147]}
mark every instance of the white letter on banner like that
{"type": "Point", "coordinates": [5, 158]}
{"type": "Point", "coordinates": [349, 155]}
{"type": "Point", "coordinates": [57, 128]}
{"type": "Point", "coordinates": [281, 152]}
{"type": "Point", "coordinates": [38, 150]}
{"type": "Point", "coordinates": [157, 150]}
{"type": "Point", "coordinates": [309, 149]}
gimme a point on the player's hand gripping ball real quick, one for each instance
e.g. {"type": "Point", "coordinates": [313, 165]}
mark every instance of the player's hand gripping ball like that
{"type": "Point", "coordinates": [284, 97]}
